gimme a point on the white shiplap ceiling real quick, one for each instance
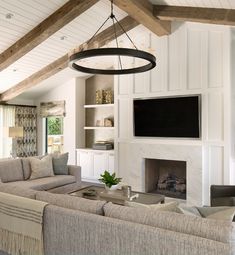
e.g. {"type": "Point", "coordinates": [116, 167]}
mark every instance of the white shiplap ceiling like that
{"type": "Point", "coordinates": [60, 43]}
{"type": "Point", "coordinates": [225, 4]}
{"type": "Point", "coordinates": [29, 13]}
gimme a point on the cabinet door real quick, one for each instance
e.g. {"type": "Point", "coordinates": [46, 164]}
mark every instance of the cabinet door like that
{"type": "Point", "coordinates": [111, 163]}
{"type": "Point", "coordinates": [100, 163]}
{"type": "Point", "coordinates": [85, 161]}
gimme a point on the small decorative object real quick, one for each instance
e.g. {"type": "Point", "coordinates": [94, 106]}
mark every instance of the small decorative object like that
{"type": "Point", "coordinates": [98, 123]}
{"type": "Point", "coordinates": [126, 191]}
{"type": "Point", "coordinates": [108, 96]}
{"type": "Point", "coordinates": [99, 96]}
{"type": "Point", "coordinates": [89, 193]}
{"type": "Point", "coordinates": [110, 180]}
{"type": "Point", "coordinates": [108, 122]}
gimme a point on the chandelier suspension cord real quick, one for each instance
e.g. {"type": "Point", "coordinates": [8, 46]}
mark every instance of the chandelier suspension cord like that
{"type": "Point", "coordinates": [115, 32]}
{"type": "Point", "coordinates": [125, 33]}
{"type": "Point", "coordinates": [97, 31]}
{"type": "Point", "coordinates": [112, 16]}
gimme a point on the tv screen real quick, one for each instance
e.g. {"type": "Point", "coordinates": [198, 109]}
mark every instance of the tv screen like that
{"type": "Point", "coordinates": [167, 117]}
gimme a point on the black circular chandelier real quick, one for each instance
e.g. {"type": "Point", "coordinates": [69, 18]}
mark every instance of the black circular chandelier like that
{"type": "Point", "coordinates": [150, 60]}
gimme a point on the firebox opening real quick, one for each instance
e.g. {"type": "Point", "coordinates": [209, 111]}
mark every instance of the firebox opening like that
{"type": "Point", "coordinates": [167, 177]}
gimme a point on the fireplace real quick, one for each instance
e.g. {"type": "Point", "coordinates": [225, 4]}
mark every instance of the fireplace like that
{"type": "Point", "coordinates": [167, 177]}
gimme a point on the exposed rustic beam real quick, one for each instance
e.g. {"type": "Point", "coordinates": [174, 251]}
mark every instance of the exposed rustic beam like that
{"type": "Point", "coordinates": [46, 28]}
{"type": "Point", "coordinates": [101, 39]}
{"type": "Point", "coordinates": [142, 11]}
{"type": "Point", "coordinates": [195, 14]}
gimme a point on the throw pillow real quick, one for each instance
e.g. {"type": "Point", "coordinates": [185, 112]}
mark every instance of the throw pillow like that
{"type": "Point", "coordinates": [60, 163]}
{"type": "Point", "coordinates": [171, 206]}
{"type": "Point", "coordinates": [41, 167]}
{"type": "Point", "coordinates": [218, 212]}
{"type": "Point", "coordinates": [189, 210]}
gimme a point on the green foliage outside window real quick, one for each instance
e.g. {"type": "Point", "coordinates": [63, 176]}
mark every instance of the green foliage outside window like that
{"type": "Point", "coordinates": [55, 126]}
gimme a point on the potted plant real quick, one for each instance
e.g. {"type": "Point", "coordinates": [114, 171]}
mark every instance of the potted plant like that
{"type": "Point", "coordinates": [110, 180]}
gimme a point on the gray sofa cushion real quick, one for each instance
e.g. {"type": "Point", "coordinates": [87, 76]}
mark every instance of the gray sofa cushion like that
{"type": "Point", "coordinates": [14, 190]}
{"type": "Point", "coordinates": [27, 167]}
{"type": "Point", "coordinates": [41, 167]}
{"type": "Point", "coordinates": [46, 183]}
{"type": "Point", "coordinates": [71, 202]}
{"type": "Point", "coordinates": [59, 162]}
{"type": "Point", "coordinates": [222, 231]}
{"type": "Point", "coordinates": [11, 170]}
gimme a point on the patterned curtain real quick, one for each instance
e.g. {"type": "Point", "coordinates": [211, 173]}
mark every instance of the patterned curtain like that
{"type": "Point", "coordinates": [26, 117]}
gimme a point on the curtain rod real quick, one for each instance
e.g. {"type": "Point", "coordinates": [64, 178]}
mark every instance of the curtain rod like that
{"type": "Point", "coordinates": [20, 105]}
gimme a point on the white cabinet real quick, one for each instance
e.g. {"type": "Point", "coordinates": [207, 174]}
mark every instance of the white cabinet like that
{"type": "Point", "coordinates": [100, 163]}
{"type": "Point", "coordinates": [85, 161]}
{"type": "Point", "coordinates": [94, 162]}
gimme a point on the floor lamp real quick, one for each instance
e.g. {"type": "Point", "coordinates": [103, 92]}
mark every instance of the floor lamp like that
{"type": "Point", "coordinates": [15, 132]}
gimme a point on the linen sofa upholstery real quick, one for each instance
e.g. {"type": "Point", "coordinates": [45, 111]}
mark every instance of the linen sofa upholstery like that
{"type": "Point", "coordinates": [74, 232]}
{"type": "Point", "coordinates": [72, 202]}
{"type": "Point", "coordinates": [73, 170]}
{"type": "Point", "coordinates": [19, 191]}
{"type": "Point", "coordinates": [45, 183]}
{"type": "Point", "coordinates": [11, 170]}
{"type": "Point", "coordinates": [221, 231]}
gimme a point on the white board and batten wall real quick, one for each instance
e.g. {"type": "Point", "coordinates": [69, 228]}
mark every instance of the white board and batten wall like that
{"type": "Point", "coordinates": [194, 59]}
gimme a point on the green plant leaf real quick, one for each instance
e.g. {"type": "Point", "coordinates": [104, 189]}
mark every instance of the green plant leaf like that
{"type": "Point", "coordinates": [109, 179]}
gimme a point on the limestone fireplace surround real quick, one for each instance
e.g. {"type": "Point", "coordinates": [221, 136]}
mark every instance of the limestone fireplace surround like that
{"type": "Point", "coordinates": [134, 161]}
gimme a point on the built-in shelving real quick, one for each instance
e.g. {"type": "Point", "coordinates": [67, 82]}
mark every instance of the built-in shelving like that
{"type": "Point", "coordinates": [98, 105]}
{"type": "Point", "coordinates": [99, 128]}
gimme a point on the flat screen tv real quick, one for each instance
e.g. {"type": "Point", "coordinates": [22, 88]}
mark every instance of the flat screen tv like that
{"type": "Point", "coordinates": [167, 117]}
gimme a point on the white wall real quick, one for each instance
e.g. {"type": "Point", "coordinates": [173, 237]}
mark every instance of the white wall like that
{"type": "Point", "coordinates": [22, 101]}
{"type": "Point", "coordinates": [194, 59]}
{"type": "Point", "coordinates": [73, 93]}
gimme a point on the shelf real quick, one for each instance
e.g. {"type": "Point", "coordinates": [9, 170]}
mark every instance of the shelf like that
{"type": "Point", "coordinates": [98, 105]}
{"type": "Point", "coordinates": [99, 128]}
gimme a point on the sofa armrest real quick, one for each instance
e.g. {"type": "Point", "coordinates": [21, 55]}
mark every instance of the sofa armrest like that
{"type": "Point", "coordinates": [76, 172]}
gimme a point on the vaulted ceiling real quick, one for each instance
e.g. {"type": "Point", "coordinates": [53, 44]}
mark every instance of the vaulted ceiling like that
{"type": "Point", "coordinates": [37, 35]}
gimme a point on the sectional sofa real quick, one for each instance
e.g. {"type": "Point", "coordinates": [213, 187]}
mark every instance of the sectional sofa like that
{"type": "Point", "coordinates": [16, 173]}
{"type": "Point", "coordinates": [77, 226]}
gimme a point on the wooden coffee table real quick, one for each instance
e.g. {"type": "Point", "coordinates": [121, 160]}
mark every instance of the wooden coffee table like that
{"type": "Point", "coordinates": [99, 193]}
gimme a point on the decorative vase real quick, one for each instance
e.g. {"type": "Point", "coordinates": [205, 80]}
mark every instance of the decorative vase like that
{"type": "Point", "coordinates": [112, 188]}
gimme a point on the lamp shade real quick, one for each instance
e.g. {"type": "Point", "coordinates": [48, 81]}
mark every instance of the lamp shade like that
{"type": "Point", "coordinates": [15, 132]}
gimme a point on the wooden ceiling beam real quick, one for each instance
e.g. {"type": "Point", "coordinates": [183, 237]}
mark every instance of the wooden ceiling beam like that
{"type": "Point", "coordinates": [195, 14]}
{"type": "Point", "coordinates": [101, 39]}
{"type": "Point", "coordinates": [45, 29]}
{"type": "Point", "coordinates": [142, 11]}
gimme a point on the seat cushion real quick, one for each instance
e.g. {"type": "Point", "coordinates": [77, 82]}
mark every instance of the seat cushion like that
{"type": "Point", "coordinates": [72, 202]}
{"type": "Point", "coordinates": [11, 170]}
{"type": "Point", "coordinates": [46, 183]}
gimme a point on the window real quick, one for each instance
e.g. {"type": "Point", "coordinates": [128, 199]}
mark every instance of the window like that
{"type": "Point", "coordinates": [54, 135]}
